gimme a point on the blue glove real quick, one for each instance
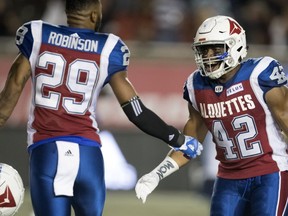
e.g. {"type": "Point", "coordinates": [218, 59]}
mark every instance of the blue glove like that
{"type": "Point", "coordinates": [191, 147]}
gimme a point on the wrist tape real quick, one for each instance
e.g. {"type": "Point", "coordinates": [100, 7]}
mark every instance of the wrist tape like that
{"type": "Point", "coordinates": [165, 168]}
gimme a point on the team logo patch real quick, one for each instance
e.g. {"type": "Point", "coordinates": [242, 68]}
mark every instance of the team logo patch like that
{"type": "Point", "coordinates": [218, 89]}
{"type": "Point", "coordinates": [234, 89]}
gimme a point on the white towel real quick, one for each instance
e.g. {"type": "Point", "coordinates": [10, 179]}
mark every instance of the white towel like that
{"type": "Point", "coordinates": [67, 169]}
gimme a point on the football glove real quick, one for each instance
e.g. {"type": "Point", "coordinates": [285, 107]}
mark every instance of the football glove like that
{"type": "Point", "coordinates": [145, 185]}
{"type": "Point", "coordinates": [191, 147]}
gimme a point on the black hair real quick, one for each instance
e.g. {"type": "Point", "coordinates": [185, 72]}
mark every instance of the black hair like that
{"type": "Point", "coordinates": [77, 5]}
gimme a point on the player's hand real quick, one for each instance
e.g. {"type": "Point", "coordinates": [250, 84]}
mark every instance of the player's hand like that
{"type": "Point", "coordinates": [191, 147]}
{"type": "Point", "coordinates": [145, 185]}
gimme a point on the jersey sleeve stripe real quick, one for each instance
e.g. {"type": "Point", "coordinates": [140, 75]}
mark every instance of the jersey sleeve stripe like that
{"type": "Point", "coordinates": [262, 65]}
{"type": "Point", "coordinates": [104, 61]}
{"type": "Point", "coordinates": [190, 88]}
{"type": "Point", "coordinates": [36, 28]}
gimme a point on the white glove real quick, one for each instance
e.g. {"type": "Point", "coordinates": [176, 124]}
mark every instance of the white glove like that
{"type": "Point", "coordinates": [145, 185]}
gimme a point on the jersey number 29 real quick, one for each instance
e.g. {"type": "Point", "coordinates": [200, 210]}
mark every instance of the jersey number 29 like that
{"type": "Point", "coordinates": [84, 89]}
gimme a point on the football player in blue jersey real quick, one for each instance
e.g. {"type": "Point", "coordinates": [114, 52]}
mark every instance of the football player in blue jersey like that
{"type": "Point", "coordinates": [68, 66]}
{"type": "Point", "coordinates": [244, 104]}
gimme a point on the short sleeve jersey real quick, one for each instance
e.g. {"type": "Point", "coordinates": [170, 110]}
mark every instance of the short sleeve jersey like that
{"type": "Point", "coordinates": [69, 66]}
{"type": "Point", "coordinates": [248, 140]}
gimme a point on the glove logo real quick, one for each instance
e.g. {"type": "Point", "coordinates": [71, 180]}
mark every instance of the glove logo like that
{"type": "Point", "coordinates": [191, 147]}
{"type": "Point", "coordinates": [7, 199]}
{"type": "Point", "coordinates": [171, 137]}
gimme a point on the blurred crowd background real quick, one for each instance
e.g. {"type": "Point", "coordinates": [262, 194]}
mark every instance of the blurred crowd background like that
{"type": "Point", "coordinates": [161, 20]}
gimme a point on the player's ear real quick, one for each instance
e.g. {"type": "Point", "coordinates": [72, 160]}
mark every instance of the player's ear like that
{"type": "Point", "coordinates": [94, 16]}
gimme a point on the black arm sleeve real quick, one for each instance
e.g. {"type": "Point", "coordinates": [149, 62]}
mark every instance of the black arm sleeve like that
{"type": "Point", "coordinates": [152, 124]}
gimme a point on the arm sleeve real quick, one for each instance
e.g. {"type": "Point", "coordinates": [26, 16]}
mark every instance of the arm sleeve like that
{"type": "Point", "coordinates": [152, 124]}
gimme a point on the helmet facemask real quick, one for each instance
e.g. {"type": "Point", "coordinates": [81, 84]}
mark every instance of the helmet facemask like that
{"type": "Point", "coordinates": [214, 65]}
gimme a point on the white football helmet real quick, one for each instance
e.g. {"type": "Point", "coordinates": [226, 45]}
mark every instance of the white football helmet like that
{"type": "Point", "coordinates": [220, 31]}
{"type": "Point", "coordinates": [11, 190]}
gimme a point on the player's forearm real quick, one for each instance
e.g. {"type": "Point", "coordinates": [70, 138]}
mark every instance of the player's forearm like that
{"type": "Point", "coordinates": [281, 117]}
{"type": "Point", "coordinates": [152, 124]}
{"type": "Point", "coordinates": [165, 168]}
{"type": "Point", "coordinates": [195, 127]}
{"type": "Point", "coordinates": [12, 90]}
{"type": "Point", "coordinates": [7, 104]}
{"type": "Point", "coordinates": [171, 163]}
{"type": "Point", "coordinates": [277, 100]}
{"type": "Point", "coordinates": [4, 115]}
{"type": "Point", "coordinates": [3, 119]}
{"type": "Point", "coordinates": [179, 158]}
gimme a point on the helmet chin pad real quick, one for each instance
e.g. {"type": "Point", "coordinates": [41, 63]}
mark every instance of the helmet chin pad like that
{"type": "Point", "coordinates": [216, 74]}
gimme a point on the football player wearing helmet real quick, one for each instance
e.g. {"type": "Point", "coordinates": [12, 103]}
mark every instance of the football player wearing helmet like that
{"type": "Point", "coordinates": [68, 66]}
{"type": "Point", "coordinates": [244, 104]}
